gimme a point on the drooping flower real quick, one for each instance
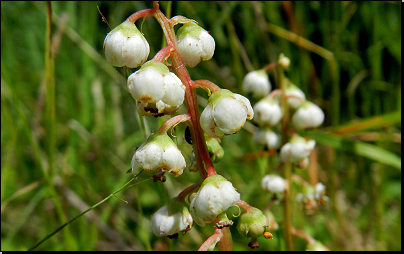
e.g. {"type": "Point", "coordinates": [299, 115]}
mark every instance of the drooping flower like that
{"type": "Point", "coordinates": [225, 113]}
{"type": "Point", "coordinates": [308, 115]}
{"type": "Point", "coordinates": [268, 138]}
{"type": "Point", "coordinates": [215, 196]}
{"type": "Point", "coordinates": [273, 184]}
{"type": "Point", "coordinates": [257, 83]}
{"type": "Point", "coordinates": [172, 218]}
{"type": "Point", "coordinates": [267, 112]}
{"type": "Point", "coordinates": [125, 46]}
{"type": "Point", "coordinates": [154, 87]}
{"type": "Point", "coordinates": [194, 44]}
{"type": "Point", "coordinates": [297, 149]}
{"type": "Point", "coordinates": [158, 153]}
{"type": "Point", "coordinates": [296, 96]}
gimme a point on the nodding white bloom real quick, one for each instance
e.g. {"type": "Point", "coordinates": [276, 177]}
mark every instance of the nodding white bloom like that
{"type": "Point", "coordinates": [273, 184]}
{"type": "Point", "coordinates": [252, 223]}
{"type": "Point", "coordinates": [268, 138]}
{"type": "Point", "coordinates": [194, 44]}
{"type": "Point", "coordinates": [154, 82]}
{"type": "Point", "coordinates": [267, 112]}
{"type": "Point", "coordinates": [297, 149]}
{"type": "Point", "coordinates": [158, 153]}
{"type": "Point", "coordinates": [172, 218]}
{"type": "Point", "coordinates": [297, 96]}
{"type": "Point", "coordinates": [125, 46]}
{"type": "Point", "coordinates": [215, 196]}
{"type": "Point", "coordinates": [225, 113]}
{"type": "Point", "coordinates": [308, 115]}
{"type": "Point", "coordinates": [257, 83]}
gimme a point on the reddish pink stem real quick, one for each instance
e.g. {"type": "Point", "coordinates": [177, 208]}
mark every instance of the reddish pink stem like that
{"type": "Point", "coordinates": [188, 190]}
{"type": "Point", "coordinates": [172, 122]}
{"type": "Point", "coordinates": [199, 144]}
{"type": "Point", "coordinates": [162, 53]}
{"type": "Point", "coordinates": [211, 240]}
{"type": "Point", "coordinates": [244, 205]}
{"type": "Point", "coordinates": [140, 14]}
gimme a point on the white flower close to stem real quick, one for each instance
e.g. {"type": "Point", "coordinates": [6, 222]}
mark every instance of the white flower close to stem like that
{"type": "Point", "coordinates": [225, 113]}
{"type": "Point", "coordinates": [297, 149]}
{"type": "Point", "coordinates": [308, 115]}
{"type": "Point", "coordinates": [125, 46]}
{"type": "Point", "coordinates": [267, 112]}
{"type": "Point", "coordinates": [171, 219]}
{"type": "Point", "coordinates": [194, 44]}
{"type": "Point", "coordinates": [257, 83]}
{"type": "Point", "coordinates": [158, 153]}
{"type": "Point", "coordinates": [273, 184]}
{"type": "Point", "coordinates": [215, 196]}
{"type": "Point", "coordinates": [154, 83]}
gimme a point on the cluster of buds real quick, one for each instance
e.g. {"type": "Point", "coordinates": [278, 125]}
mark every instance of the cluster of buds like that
{"type": "Point", "coordinates": [160, 88]}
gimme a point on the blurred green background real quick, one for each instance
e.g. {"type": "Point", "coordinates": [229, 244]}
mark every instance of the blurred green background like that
{"type": "Point", "coordinates": [66, 147]}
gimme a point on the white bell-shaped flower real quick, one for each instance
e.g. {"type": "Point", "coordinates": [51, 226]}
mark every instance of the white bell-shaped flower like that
{"type": "Point", "coordinates": [125, 46]}
{"type": "Point", "coordinates": [308, 115]}
{"type": "Point", "coordinates": [267, 112]}
{"type": "Point", "coordinates": [194, 44]}
{"type": "Point", "coordinates": [158, 153]}
{"type": "Point", "coordinates": [257, 83]}
{"type": "Point", "coordinates": [273, 184]}
{"type": "Point", "coordinates": [171, 219]}
{"type": "Point", "coordinates": [225, 113]}
{"type": "Point", "coordinates": [296, 96]}
{"type": "Point", "coordinates": [215, 196]}
{"type": "Point", "coordinates": [297, 149]}
{"type": "Point", "coordinates": [268, 138]}
{"type": "Point", "coordinates": [154, 82]}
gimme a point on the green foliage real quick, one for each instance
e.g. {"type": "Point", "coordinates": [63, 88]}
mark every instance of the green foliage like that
{"type": "Point", "coordinates": [97, 128]}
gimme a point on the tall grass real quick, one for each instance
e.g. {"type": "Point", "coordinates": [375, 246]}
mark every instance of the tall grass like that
{"type": "Point", "coordinates": [68, 134]}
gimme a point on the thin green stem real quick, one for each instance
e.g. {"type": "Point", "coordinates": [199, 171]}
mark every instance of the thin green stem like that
{"type": "Point", "coordinates": [287, 166]}
{"type": "Point", "coordinates": [89, 209]}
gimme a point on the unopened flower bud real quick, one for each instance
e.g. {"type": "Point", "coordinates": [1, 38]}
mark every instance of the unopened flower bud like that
{"type": "Point", "coordinates": [284, 62]}
{"type": "Point", "coordinates": [215, 196]}
{"type": "Point", "coordinates": [225, 113]}
{"type": "Point", "coordinates": [216, 151]}
{"type": "Point", "coordinates": [297, 149]}
{"type": "Point", "coordinates": [158, 153]}
{"type": "Point", "coordinates": [125, 46]}
{"type": "Point", "coordinates": [194, 44]}
{"type": "Point", "coordinates": [308, 115]}
{"type": "Point", "coordinates": [172, 218]}
{"type": "Point", "coordinates": [252, 223]}
{"type": "Point", "coordinates": [257, 83]}
{"type": "Point", "coordinates": [267, 112]}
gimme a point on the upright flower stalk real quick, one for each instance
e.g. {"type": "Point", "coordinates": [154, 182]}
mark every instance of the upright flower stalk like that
{"type": "Point", "coordinates": [159, 88]}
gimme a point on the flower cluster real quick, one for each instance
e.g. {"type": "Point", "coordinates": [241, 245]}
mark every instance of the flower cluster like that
{"type": "Point", "coordinates": [160, 88]}
{"type": "Point", "coordinates": [281, 116]}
